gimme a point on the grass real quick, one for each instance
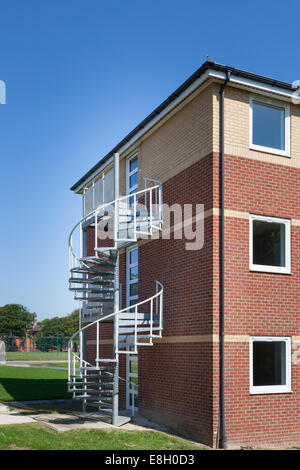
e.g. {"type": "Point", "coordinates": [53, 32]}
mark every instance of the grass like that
{"type": "Point", "coordinates": [28, 383]}
{"type": "Point", "coordinates": [36, 356]}
{"type": "Point", "coordinates": [37, 437]}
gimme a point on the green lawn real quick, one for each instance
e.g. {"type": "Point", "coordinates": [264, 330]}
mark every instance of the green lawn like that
{"type": "Point", "coordinates": [36, 356]}
{"type": "Point", "coordinates": [29, 383]}
{"type": "Point", "coordinates": [37, 437]}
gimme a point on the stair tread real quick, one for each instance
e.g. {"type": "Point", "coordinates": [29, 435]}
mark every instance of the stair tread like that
{"type": "Point", "coordinates": [91, 289]}
{"type": "Point", "coordinates": [91, 280]}
{"type": "Point", "coordinates": [101, 261]}
{"type": "Point", "coordinates": [91, 271]}
{"type": "Point", "coordinates": [94, 299]}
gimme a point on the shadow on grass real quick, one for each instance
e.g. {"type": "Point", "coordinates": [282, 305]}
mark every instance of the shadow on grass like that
{"type": "Point", "coordinates": [32, 388]}
{"type": "Point", "coordinates": [48, 408]}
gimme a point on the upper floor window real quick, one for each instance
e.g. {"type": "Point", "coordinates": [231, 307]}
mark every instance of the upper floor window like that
{"type": "Point", "coordinates": [132, 174]}
{"type": "Point", "coordinates": [270, 249]}
{"type": "Point", "coordinates": [269, 126]}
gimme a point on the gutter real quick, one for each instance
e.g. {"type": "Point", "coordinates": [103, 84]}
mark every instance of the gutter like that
{"type": "Point", "coordinates": [222, 419]}
{"type": "Point", "coordinates": [208, 69]}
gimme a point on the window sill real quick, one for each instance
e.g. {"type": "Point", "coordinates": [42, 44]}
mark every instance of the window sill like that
{"type": "Point", "coordinates": [265, 270]}
{"type": "Point", "coordinates": [260, 148]}
{"type": "Point", "coordinates": [269, 392]}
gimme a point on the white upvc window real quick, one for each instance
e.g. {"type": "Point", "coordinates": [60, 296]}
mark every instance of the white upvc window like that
{"type": "Point", "coordinates": [269, 129]}
{"type": "Point", "coordinates": [270, 364]}
{"type": "Point", "coordinates": [132, 276]}
{"type": "Point", "coordinates": [132, 174]}
{"type": "Point", "coordinates": [270, 244]}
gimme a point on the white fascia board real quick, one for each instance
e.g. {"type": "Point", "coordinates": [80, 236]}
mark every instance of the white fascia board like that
{"type": "Point", "coordinates": [239, 82]}
{"type": "Point", "coordinates": [263, 88]}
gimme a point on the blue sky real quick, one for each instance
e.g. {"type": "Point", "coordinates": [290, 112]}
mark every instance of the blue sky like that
{"type": "Point", "coordinates": [80, 74]}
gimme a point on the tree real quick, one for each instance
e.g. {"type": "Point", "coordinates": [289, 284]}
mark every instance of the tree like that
{"type": "Point", "coordinates": [15, 319]}
{"type": "Point", "coordinates": [55, 332]}
{"type": "Point", "coordinates": [65, 326]}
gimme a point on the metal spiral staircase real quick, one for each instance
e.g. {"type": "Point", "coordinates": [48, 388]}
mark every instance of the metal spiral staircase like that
{"type": "Point", "coordinates": [95, 281]}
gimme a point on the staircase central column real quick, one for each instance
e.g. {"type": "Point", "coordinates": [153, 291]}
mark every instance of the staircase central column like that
{"type": "Point", "coordinates": [115, 407]}
{"type": "Point", "coordinates": [115, 416]}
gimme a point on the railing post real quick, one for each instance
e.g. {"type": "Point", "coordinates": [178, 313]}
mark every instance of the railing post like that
{"type": "Point", "coordinates": [151, 319]}
{"type": "Point", "coordinates": [135, 329]}
{"type": "Point", "coordinates": [160, 206]}
{"type": "Point", "coordinates": [151, 210]}
{"type": "Point", "coordinates": [97, 342]}
{"type": "Point", "coordinates": [96, 232]}
{"type": "Point", "coordinates": [69, 360]}
{"type": "Point", "coordinates": [93, 195]}
{"type": "Point", "coordinates": [134, 217]}
{"type": "Point", "coordinates": [80, 241]}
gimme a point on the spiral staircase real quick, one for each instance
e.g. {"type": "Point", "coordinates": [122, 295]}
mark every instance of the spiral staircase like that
{"type": "Point", "coordinates": [94, 280]}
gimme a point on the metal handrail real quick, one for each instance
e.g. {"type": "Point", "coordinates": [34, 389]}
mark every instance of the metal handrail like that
{"type": "Point", "coordinates": [158, 297]}
{"type": "Point", "coordinates": [94, 212]}
{"type": "Point", "coordinates": [111, 315]}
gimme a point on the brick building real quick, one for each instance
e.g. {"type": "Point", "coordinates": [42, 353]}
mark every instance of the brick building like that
{"type": "Point", "coordinates": [225, 368]}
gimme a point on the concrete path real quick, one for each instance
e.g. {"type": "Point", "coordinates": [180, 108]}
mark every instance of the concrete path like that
{"type": "Point", "coordinates": [36, 364]}
{"type": "Point", "coordinates": [65, 421]}
{"type": "Point", "coordinates": [8, 416]}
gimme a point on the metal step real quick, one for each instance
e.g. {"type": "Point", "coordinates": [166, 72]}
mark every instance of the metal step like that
{"type": "Point", "coordinates": [131, 338]}
{"type": "Point", "coordinates": [98, 261]}
{"type": "Point", "coordinates": [95, 392]}
{"type": "Point", "coordinates": [131, 323]}
{"type": "Point", "coordinates": [91, 280]}
{"type": "Point", "coordinates": [88, 390]}
{"type": "Point", "coordinates": [92, 290]}
{"type": "Point", "coordinates": [87, 397]}
{"type": "Point", "coordinates": [105, 360]}
{"type": "Point", "coordinates": [84, 270]}
{"type": "Point", "coordinates": [140, 316]}
{"type": "Point", "coordinates": [123, 330]}
{"type": "Point", "coordinates": [77, 384]}
{"type": "Point", "coordinates": [95, 299]}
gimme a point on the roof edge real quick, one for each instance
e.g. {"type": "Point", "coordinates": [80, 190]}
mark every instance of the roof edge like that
{"type": "Point", "coordinates": [204, 67]}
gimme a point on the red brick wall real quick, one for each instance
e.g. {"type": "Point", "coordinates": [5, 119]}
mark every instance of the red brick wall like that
{"type": "Point", "coordinates": [259, 303]}
{"type": "Point", "coordinates": [176, 379]}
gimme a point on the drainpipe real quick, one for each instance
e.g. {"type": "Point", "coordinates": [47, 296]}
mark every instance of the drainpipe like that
{"type": "Point", "coordinates": [223, 438]}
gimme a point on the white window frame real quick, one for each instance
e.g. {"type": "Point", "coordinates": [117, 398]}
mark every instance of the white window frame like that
{"type": "Point", "coordinates": [273, 104]}
{"type": "Point", "coordinates": [268, 389]}
{"type": "Point", "coordinates": [265, 268]}
{"type": "Point", "coordinates": [130, 173]}
{"type": "Point", "coordinates": [128, 280]}
{"type": "Point", "coordinates": [130, 375]}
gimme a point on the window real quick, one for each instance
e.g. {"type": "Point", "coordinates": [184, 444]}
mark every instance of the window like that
{"type": "Point", "coordinates": [132, 276]}
{"type": "Point", "coordinates": [132, 174]}
{"type": "Point", "coordinates": [269, 126]}
{"type": "Point", "coordinates": [132, 377]}
{"type": "Point", "coordinates": [270, 364]}
{"type": "Point", "coordinates": [270, 244]}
